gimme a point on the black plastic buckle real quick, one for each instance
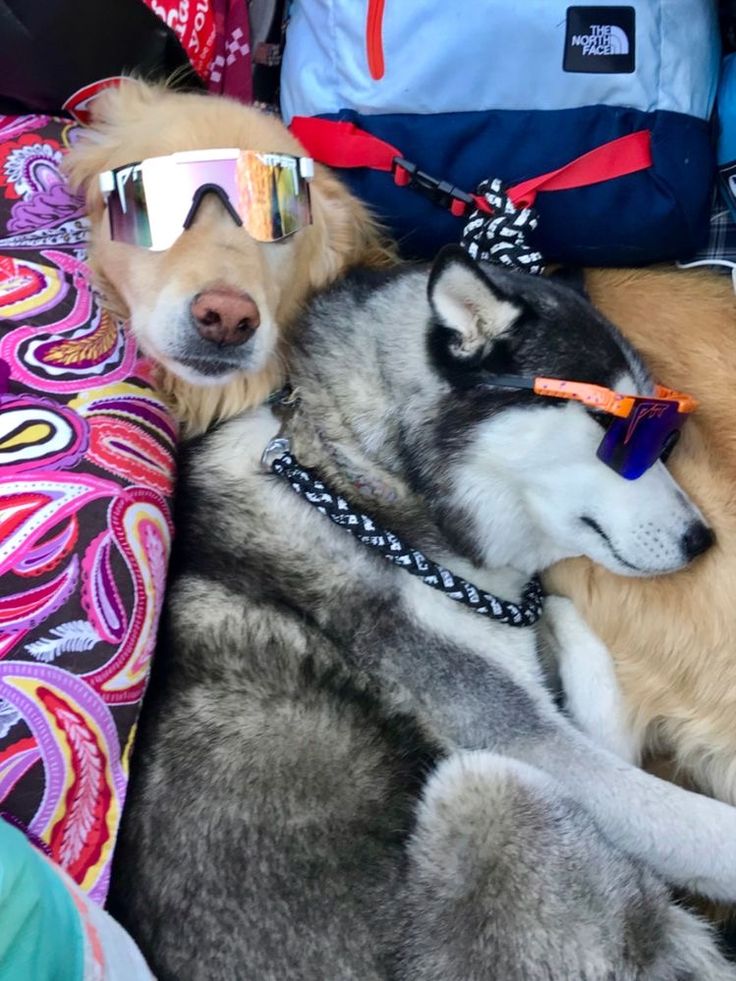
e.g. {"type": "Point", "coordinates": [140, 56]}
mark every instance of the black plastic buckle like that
{"type": "Point", "coordinates": [441, 193]}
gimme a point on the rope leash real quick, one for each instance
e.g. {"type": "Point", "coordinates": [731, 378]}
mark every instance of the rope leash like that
{"type": "Point", "coordinates": [366, 530]}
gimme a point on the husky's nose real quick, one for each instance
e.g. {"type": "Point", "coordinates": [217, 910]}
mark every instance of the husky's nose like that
{"type": "Point", "coordinates": [224, 316]}
{"type": "Point", "coordinates": [697, 539]}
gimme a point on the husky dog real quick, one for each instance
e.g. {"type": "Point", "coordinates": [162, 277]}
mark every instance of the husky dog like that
{"type": "Point", "coordinates": [344, 774]}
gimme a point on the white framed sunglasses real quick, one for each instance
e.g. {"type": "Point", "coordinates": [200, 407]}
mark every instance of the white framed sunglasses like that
{"type": "Point", "coordinates": [151, 202]}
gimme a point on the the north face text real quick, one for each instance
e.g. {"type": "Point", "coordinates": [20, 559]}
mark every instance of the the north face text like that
{"type": "Point", "coordinates": [600, 39]}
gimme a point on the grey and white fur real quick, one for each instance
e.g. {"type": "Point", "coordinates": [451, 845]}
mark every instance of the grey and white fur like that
{"type": "Point", "coordinates": [342, 775]}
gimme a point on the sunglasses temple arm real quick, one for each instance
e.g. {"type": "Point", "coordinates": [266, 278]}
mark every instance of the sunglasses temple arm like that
{"type": "Point", "coordinates": [509, 381]}
{"type": "Point", "coordinates": [593, 396]}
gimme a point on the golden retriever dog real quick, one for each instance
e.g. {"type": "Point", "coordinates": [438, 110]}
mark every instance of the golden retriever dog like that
{"type": "Point", "coordinates": [673, 639]}
{"type": "Point", "coordinates": [216, 292]}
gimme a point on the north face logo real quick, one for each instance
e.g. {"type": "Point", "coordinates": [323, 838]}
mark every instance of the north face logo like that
{"type": "Point", "coordinates": [604, 39]}
{"type": "Point", "coordinates": [600, 39]}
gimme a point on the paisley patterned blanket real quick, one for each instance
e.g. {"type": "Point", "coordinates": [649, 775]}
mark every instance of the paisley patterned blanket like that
{"type": "Point", "coordinates": [86, 474]}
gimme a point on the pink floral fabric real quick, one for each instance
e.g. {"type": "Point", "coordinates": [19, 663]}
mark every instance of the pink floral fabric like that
{"type": "Point", "coordinates": [86, 474]}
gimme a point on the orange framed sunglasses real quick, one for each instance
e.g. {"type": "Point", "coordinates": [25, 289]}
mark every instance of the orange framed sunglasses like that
{"type": "Point", "coordinates": [642, 430]}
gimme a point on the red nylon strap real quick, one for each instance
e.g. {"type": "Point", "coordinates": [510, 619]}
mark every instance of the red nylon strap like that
{"type": "Point", "coordinates": [342, 144]}
{"type": "Point", "coordinates": [617, 158]}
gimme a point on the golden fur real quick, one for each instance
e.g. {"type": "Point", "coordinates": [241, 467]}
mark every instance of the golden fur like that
{"type": "Point", "coordinates": [140, 120]}
{"type": "Point", "coordinates": [673, 638]}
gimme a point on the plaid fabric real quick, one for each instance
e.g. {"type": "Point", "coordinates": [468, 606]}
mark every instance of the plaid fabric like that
{"type": "Point", "coordinates": [720, 250]}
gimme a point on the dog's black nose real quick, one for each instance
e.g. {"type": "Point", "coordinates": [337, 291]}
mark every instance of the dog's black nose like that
{"type": "Point", "coordinates": [697, 539]}
{"type": "Point", "coordinates": [225, 317]}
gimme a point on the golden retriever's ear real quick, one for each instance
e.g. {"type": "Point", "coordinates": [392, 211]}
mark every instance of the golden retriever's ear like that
{"type": "Point", "coordinates": [112, 110]}
{"type": "Point", "coordinates": [350, 235]}
{"type": "Point", "coordinates": [85, 160]}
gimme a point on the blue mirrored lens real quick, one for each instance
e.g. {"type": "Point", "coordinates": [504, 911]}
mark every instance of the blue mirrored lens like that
{"type": "Point", "coordinates": [631, 446]}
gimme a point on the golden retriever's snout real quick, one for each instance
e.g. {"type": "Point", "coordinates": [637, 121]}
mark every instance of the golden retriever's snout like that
{"type": "Point", "coordinates": [225, 317]}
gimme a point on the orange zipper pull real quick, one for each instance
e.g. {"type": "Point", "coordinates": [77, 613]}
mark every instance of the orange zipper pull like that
{"type": "Point", "coordinates": [374, 38]}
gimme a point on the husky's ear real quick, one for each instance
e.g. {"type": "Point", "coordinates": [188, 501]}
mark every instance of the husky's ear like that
{"type": "Point", "coordinates": [467, 303]}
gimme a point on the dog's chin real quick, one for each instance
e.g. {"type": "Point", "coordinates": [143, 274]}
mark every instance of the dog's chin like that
{"type": "Point", "coordinates": [209, 370]}
{"type": "Point", "coordinates": [601, 549]}
{"type": "Point", "coordinates": [624, 567]}
{"type": "Point", "coordinates": [204, 372]}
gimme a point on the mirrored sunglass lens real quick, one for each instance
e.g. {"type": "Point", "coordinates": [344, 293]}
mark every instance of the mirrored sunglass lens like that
{"type": "Point", "coordinates": [290, 199]}
{"type": "Point", "coordinates": [192, 174]}
{"type": "Point", "coordinates": [272, 199]}
{"type": "Point", "coordinates": [127, 211]}
{"type": "Point", "coordinates": [631, 446]}
{"type": "Point", "coordinates": [266, 190]}
{"type": "Point", "coordinates": [170, 187]}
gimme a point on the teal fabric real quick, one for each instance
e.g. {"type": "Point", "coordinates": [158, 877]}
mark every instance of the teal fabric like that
{"type": "Point", "coordinates": [40, 930]}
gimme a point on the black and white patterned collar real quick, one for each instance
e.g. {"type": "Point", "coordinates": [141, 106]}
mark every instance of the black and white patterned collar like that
{"type": "Point", "coordinates": [278, 458]}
